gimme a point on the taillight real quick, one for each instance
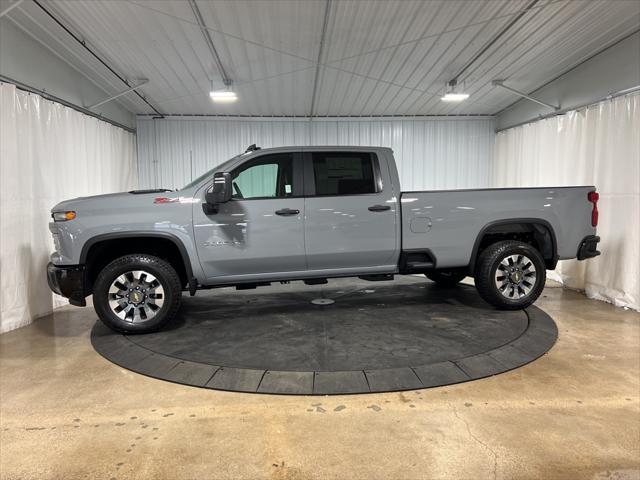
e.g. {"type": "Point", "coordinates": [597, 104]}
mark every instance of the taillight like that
{"type": "Point", "coordinates": [593, 197]}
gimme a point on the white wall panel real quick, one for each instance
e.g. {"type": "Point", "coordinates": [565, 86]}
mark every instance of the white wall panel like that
{"type": "Point", "coordinates": [431, 153]}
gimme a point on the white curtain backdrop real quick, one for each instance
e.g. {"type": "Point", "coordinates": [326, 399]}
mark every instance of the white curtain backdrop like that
{"type": "Point", "coordinates": [48, 153]}
{"type": "Point", "coordinates": [430, 153]}
{"type": "Point", "coordinates": [598, 145]}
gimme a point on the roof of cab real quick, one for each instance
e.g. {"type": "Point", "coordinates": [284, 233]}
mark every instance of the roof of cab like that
{"type": "Point", "coordinates": [309, 148]}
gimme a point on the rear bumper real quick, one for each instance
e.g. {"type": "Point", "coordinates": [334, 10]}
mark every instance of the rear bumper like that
{"type": "Point", "coordinates": [588, 247]}
{"type": "Point", "coordinates": [68, 281]}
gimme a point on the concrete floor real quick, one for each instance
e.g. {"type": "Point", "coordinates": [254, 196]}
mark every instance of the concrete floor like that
{"type": "Point", "coordinates": [575, 413]}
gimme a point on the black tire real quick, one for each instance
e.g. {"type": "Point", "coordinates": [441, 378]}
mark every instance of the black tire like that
{"type": "Point", "coordinates": [164, 273]}
{"type": "Point", "coordinates": [446, 278]}
{"type": "Point", "coordinates": [486, 277]}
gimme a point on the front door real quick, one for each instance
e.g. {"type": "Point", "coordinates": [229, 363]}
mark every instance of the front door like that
{"type": "Point", "coordinates": [261, 229]}
{"type": "Point", "coordinates": [351, 213]}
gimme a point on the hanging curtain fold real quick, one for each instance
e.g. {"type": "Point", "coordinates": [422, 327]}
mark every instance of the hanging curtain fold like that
{"type": "Point", "coordinates": [598, 145]}
{"type": "Point", "coordinates": [48, 153]}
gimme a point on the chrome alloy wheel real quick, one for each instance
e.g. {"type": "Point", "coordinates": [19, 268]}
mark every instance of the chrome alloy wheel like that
{"type": "Point", "coordinates": [136, 296]}
{"type": "Point", "coordinates": [515, 276]}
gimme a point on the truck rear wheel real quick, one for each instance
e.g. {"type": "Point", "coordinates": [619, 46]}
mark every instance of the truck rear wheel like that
{"type": "Point", "coordinates": [446, 278]}
{"type": "Point", "coordinates": [510, 275]}
{"type": "Point", "coordinates": [137, 293]}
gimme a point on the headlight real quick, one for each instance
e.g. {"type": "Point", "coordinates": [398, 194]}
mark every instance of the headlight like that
{"type": "Point", "coordinates": [63, 216]}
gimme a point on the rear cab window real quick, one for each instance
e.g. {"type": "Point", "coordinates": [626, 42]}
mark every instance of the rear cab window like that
{"type": "Point", "coordinates": [345, 173]}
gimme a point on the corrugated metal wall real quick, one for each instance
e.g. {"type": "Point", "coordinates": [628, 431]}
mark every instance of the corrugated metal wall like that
{"type": "Point", "coordinates": [434, 153]}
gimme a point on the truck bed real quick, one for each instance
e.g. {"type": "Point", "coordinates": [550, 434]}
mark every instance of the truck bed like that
{"type": "Point", "coordinates": [448, 223]}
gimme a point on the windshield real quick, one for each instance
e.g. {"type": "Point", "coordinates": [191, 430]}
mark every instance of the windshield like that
{"type": "Point", "coordinates": [209, 173]}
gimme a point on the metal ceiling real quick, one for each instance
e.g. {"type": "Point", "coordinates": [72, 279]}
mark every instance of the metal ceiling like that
{"type": "Point", "coordinates": [326, 57]}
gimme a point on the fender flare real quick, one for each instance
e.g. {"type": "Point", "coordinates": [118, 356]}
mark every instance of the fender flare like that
{"type": "Point", "coordinates": [137, 234]}
{"type": "Point", "coordinates": [534, 221]}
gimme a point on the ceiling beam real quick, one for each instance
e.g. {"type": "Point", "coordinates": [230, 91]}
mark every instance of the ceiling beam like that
{"type": "Point", "coordinates": [207, 38]}
{"type": "Point", "coordinates": [84, 45]}
{"type": "Point", "coordinates": [10, 7]}
{"type": "Point", "coordinates": [327, 13]}
{"type": "Point", "coordinates": [118, 95]}
{"type": "Point", "coordinates": [499, 83]}
{"type": "Point", "coordinates": [492, 42]}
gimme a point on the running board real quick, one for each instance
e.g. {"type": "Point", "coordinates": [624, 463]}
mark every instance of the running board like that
{"type": "Point", "coordinates": [380, 277]}
{"type": "Point", "coordinates": [420, 265]}
{"type": "Point", "coordinates": [315, 281]}
{"type": "Point", "coordinates": [251, 286]}
{"type": "Point", "coordinates": [416, 261]}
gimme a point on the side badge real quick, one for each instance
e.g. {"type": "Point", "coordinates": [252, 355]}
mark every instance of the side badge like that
{"type": "Point", "coordinates": [165, 200]}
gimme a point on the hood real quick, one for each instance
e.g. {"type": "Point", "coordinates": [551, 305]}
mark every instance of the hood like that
{"type": "Point", "coordinates": [123, 199]}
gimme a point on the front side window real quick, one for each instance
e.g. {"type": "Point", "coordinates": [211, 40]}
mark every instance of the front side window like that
{"type": "Point", "coordinates": [343, 173]}
{"type": "Point", "coordinates": [266, 177]}
{"type": "Point", "coordinates": [207, 175]}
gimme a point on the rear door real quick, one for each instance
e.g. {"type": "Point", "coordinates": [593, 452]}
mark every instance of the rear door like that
{"type": "Point", "coordinates": [260, 231]}
{"type": "Point", "coordinates": [350, 212]}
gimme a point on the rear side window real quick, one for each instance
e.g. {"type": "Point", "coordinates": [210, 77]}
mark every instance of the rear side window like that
{"type": "Point", "coordinates": [344, 173]}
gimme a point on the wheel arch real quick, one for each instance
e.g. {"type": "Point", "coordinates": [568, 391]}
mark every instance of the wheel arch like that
{"type": "Point", "coordinates": [542, 231]}
{"type": "Point", "coordinates": [162, 244]}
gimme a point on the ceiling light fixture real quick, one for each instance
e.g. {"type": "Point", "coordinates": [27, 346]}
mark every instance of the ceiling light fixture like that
{"type": "Point", "coordinates": [451, 95]}
{"type": "Point", "coordinates": [223, 96]}
{"type": "Point", "coordinates": [455, 97]}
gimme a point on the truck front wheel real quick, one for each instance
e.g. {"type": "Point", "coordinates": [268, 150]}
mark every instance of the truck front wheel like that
{"type": "Point", "coordinates": [137, 293]}
{"type": "Point", "coordinates": [510, 275]}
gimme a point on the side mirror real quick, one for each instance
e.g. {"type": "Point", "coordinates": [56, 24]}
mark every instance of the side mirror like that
{"type": "Point", "coordinates": [220, 192]}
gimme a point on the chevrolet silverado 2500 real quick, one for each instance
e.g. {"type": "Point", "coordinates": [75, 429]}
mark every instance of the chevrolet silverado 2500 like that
{"type": "Point", "coordinates": [309, 214]}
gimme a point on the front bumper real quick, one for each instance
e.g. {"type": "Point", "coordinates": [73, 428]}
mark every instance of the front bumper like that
{"type": "Point", "coordinates": [68, 281]}
{"type": "Point", "coordinates": [588, 247]}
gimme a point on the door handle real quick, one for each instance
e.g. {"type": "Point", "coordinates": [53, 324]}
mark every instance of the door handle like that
{"type": "Point", "coordinates": [285, 212]}
{"type": "Point", "coordinates": [379, 208]}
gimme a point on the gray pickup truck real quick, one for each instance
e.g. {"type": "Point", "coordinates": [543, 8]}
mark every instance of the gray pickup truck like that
{"type": "Point", "coordinates": [309, 214]}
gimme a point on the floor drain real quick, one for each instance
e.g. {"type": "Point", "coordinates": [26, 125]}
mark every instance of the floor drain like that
{"type": "Point", "coordinates": [322, 301]}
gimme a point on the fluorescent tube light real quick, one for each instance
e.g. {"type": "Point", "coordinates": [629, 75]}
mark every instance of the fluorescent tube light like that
{"type": "Point", "coordinates": [454, 97]}
{"type": "Point", "coordinates": [223, 96]}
